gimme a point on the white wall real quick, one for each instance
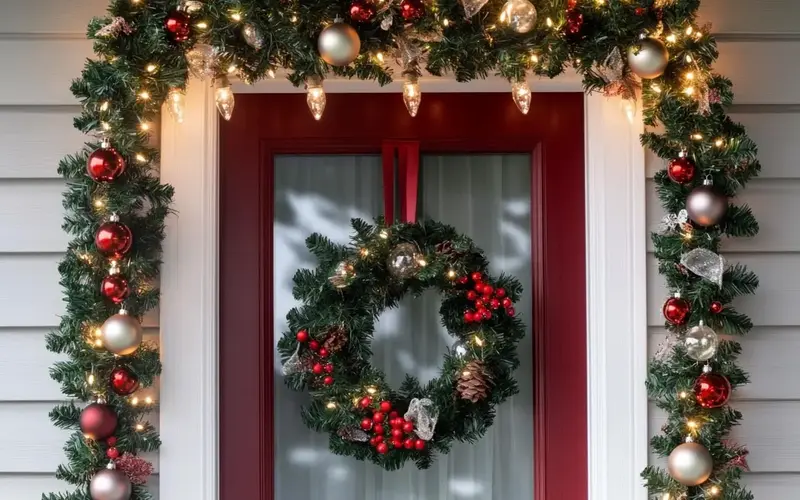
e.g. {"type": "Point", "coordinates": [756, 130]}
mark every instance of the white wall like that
{"type": "Point", "coordinates": [757, 41]}
{"type": "Point", "coordinates": [42, 47]}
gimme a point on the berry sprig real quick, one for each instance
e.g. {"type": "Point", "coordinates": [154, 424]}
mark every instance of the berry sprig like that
{"type": "Point", "coordinates": [318, 354]}
{"type": "Point", "coordinates": [399, 433]}
{"type": "Point", "coordinates": [485, 299]}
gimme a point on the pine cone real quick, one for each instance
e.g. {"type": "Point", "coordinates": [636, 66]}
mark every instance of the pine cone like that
{"type": "Point", "coordinates": [335, 340]}
{"type": "Point", "coordinates": [474, 381]}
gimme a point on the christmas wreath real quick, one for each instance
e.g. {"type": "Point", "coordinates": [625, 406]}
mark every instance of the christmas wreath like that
{"type": "Point", "coordinates": [327, 347]}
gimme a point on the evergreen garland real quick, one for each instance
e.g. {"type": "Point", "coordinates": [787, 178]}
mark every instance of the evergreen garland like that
{"type": "Point", "coordinates": [138, 65]}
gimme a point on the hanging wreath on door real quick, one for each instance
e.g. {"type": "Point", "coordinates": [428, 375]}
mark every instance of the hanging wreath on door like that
{"type": "Point", "coordinates": [327, 348]}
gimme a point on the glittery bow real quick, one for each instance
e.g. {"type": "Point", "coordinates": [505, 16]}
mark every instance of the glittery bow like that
{"type": "Point", "coordinates": [618, 81]}
{"type": "Point", "coordinates": [203, 61]}
{"type": "Point", "coordinates": [353, 434]}
{"type": "Point", "coordinates": [673, 222]}
{"type": "Point", "coordinates": [424, 415]}
{"type": "Point", "coordinates": [705, 263]}
{"type": "Point", "coordinates": [117, 26]}
{"type": "Point", "coordinates": [295, 364]}
{"type": "Point", "coordinates": [472, 7]}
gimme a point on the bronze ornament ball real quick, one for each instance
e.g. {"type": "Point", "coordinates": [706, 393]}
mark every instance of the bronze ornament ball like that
{"type": "Point", "coordinates": [339, 44]}
{"type": "Point", "coordinates": [705, 206]}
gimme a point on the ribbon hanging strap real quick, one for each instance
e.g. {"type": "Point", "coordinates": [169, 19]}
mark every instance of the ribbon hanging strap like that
{"type": "Point", "coordinates": [407, 154]}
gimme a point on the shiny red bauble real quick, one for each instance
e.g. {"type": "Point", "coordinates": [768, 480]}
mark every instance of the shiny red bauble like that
{"type": "Point", "coordinates": [98, 421]}
{"type": "Point", "coordinates": [476, 276]}
{"type": "Point", "coordinates": [378, 429]}
{"type": "Point", "coordinates": [382, 448]}
{"type": "Point", "coordinates": [712, 390]}
{"type": "Point", "coordinates": [408, 426]}
{"type": "Point", "coordinates": [115, 288]}
{"type": "Point", "coordinates": [302, 336]}
{"type": "Point", "coordinates": [112, 453]}
{"type": "Point", "coordinates": [510, 311]}
{"type": "Point", "coordinates": [105, 164]}
{"type": "Point", "coordinates": [462, 280]}
{"type": "Point", "coordinates": [317, 369]}
{"type": "Point", "coordinates": [123, 382]}
{"type": "Point", "coordinates": [397, 433]}
{"type": "Point", "coordinates": [574, 23]}
{"type": "Point", "coordinates": [362, 11]}
{"type": "Point", "coordinates": [716, 307]}
{"type": "Point", "coordinates": [419, 444]}
{"type": "Point", "coordinates": [378, 417]}
{"type": "Point", "coordinates": [386, 406]}
{"type": "Point", "coordinates": [366, 401]}
{"type": "Point", "coordinates": [329, 368]}
{"type": "Point", "coordinates": [328, 380]}
{"type": "Point", "coordinates": [178, 25]}
{"type": "Point", "coordinates": [500, 293]}
{"type": "Point", "coordinates": [408, 444]}
{"type": "Point", "coordinates": [412, 10]}
{"type": "Point", "coordinates": [366, 424]}
{"type": "Point", "coordinates": [313, 345]}
{"type": "Point", "coordinates": [676, 310]}
{"type": "Point", "coordinates": [113, 239]}
{"type": "Point", "coordinates": [681, 170]}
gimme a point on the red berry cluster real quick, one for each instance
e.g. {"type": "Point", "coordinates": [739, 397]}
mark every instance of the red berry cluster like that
{"type": "Point", "coordinates": [321, 353]}
{"type": "Point", "coordinates": [399, 432]}
{"type": "Point", "coordinates": [112, 452]}
{"type": "Point", "coordinates": [485, 298]}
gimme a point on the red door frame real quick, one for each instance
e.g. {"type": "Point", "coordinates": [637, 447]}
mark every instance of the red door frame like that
{"type": "Point", "coordinates": [268, 124]}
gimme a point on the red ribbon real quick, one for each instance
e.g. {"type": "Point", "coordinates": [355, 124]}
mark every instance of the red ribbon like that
{"type": "Point", "coordinates": [407, 179]}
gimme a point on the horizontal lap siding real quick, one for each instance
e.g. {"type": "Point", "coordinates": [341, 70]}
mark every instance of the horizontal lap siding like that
{"type": "Point", "coordinates": [43, 42]}
{"type": "Point", "coordinates": [758, 41]}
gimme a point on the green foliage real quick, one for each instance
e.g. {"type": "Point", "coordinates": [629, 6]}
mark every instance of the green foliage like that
{"type": "Point", "coordinates": [356, 307]}
{"type": "Point", "coordinates": [109, 90]}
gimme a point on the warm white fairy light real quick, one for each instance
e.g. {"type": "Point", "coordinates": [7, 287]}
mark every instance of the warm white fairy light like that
{"type": "Point", "coordinates": [655, 88]}
{"type": "Point", "coordinates": [719, 143]}
{"type": "Point", "coordinates": [134, 401]}
{"type": "Point", "coordinates": [315, 97]}
{"type": "Point", "coordinates": [104, 106]}
{"type": "Point", "coordinates": [521, 93]}
{"type": "Point", "coordinates": [271, 73]}
{"type": "Point", "coordinates": [412, 96]}
{"type": "Point", "coordinates": [384, 234]}
{"type": "Point", "coordinates": [90, 380]}
{"type": "Point", "coordinates": [139, 427]}
{"type": "Point", "coordinates": [148, 400]}
{"type": "Point", "coordinates": [451, 274]}
{"type": "Point", "coordinates": [689, 30]}
{"type": "Point", "coordinates": [105, 126]}
{"type": "Point", "coordinates": [293, 19]}
{"type": "Point", "coordinates": [671, 38]}
{"type": "Point", "coordinates": [688, 58]}
{"type": "Point", "coordinates": [202, 25]}
{"type": "Point", "coordinates": [236, 16]}
{"type": "Point", "coordinates": [379, 56]}
{"type": "Point", "coordinates": [714, 491]}
{"type": "Point", "coordinates": [549, 22]}
{"type": "Point", "coordinates": [478, 341]}
{"type": "Point", "coordinates": [151, 68]}
{"type": "Point", "coordinates": [689, 91]}
{"type": "Point", "coordinates": [144, 126]}
{"type": "Point", "coordinates": [364, 252]}
{"type": "Point", "coordinates": [534, 58]}
{"type": "Point", "coordinates": [683, 395]}
{"type": "Point", "coordinates": [99, 203]}
{"type": "Point", "coordinates": [371, 390]}
{"type": "Point", "coordinates": [331, 405]}
{"type": "Point", "coordinates": [445, 22]}
{"type": "Point", "coordinates": [223, 95]}
{"type": "Point", "coordinates": [144, 95]}
{"type": "Point", "coordinates": [697, 136]}
{"type": "Point", "coordinates": [232, 69]}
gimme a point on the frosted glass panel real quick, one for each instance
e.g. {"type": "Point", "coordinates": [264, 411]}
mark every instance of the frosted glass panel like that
{"type": "Point", "coordinates": [485, 196]}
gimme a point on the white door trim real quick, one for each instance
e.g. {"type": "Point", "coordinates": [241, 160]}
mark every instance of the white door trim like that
{"type": "Point", "coordinates": [616, 292]}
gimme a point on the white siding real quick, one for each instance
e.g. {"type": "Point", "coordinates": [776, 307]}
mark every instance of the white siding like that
{"type": "Point", "coordinates": [43, 41]}
{"type": "Point", "coordinates": [756, 40]}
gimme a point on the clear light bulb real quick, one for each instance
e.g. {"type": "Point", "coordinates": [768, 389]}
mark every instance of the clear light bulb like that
{"type": "Point", "coordinates": [316, 97]}
{"type": "Point", "coordinates": [521, 93]}
{"type": "Point", "coordinates": [176, 103]}
{"type": "Point", "coordinates": [224, 97]}
{"type": "Point", "coordinates": [412, 96]}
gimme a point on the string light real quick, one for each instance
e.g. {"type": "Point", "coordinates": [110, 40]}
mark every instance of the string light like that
{"type": "Point", "coordinates": [202, 25]}
{"type": "Point", "coordinates": [315, 97]}
{"type": "Point", "coordinates": [331, 405]}
{"type": "Point", "coordinates": [134, 401]}
{"type": "Point", "coordinates": [689, 75]}
{"type": "Point", "coordinates": [451, 274]}
{"type": "Point", "coordinates": [521, 93]}
{"type": "Point", "coordinates": [293, 19]}
{"type": "Point", "coordinates": [655, 88]}
{"type": "Point", "coordinates": [384, 234]}
{"type": "Point", "coordinates": [91, 379]}
{"type": "Point", "coordinates": [139, 427]}
{"type": "Point", "coordinates": [379, 56]}
{"type": "Point", "coordinates": [719, 143]}
{"type": "Point", "coordinates": [105, 126]}
{"type": "Point", "coordinates": [422, 262]}
{"type": "Point", "coordinates": [104, 106]}
{"type": "Point", "coordinates": [364, 252]}
{"type": "Point", "coordinates": [98, 342]}
{"type": "Point", "coordinates": [371, 390]}
{"type": "Point", "coordinates": [478, 341]}
{"type": "Point", "coordinates": [671, 38]}
{"type": "Point", "coordinates": [151, 68]}
{"type": "Point", "coordinates": [98, 203]}
{"type": "Point", "coordinates": [176, 104]}
{"type": "Point", "coordinates": [692, 425]}
{"type": "Point", "coordinates": [683, 395]}
{"type": "Point", "coordinates": [232, 69]}
{"type": "Point", "coordinates": [549, 22]}
{"type": "Point", "coordinates": [714, 491]}
{"type": "Point", "coordinates": [412, 96]}
{"type": "Point", "coordinates": [689, 30]}
{"type": "Point", "coordinates": [445, 22]}
{"type": "Point", "coordinates": [223, 95]}
{"type": "Point", "coordinates": [697, 136]}
{"type": "Point", "coordinates": [271, 73]}
{"type": "Point", "coordinates": [148, 400]}
{"type": "Point", "coordinates": [236, 16]}
{"type": "Point", "coordinates": [688, 58]}
{"type": "Point", "coordinates": [689, 91]}
{"type": "Point", "coordinates": [466, 373]}
{"type": "Point", "coordinates": [534, 58]}
{"type": "Point", "coordinates": [144, 95]}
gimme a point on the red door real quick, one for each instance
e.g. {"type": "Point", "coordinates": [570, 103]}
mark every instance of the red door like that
{"type": "Point", "coordinates": [266, 125]}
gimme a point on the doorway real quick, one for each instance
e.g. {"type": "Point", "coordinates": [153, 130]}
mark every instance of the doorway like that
{"type": "Point", "coordinates": [514, 183]}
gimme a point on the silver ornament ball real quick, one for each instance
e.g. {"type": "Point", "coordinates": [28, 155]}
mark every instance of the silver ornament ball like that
{"type": "Point", "coordinates": [121, 334]}
{"type": "Point", "coordinates": [701, 343]}
{"type": "Point", "coordinates": [110, 484]}
{"type": "Point", "coordinates": [520, 15]}
{"type": "Point", "coordinates": [403, 261]}
{"type": "Point", "coordinates": [339, 44]}
{"type": "Point", "coordinates": [705, 206]}
{"type": "Point", "coordinates": [649, 58]}
{"type": "Point", "coordinates": [690, 464]}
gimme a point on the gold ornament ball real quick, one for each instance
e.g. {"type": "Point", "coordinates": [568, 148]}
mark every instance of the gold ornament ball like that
{"type": "Point", "coordinates": [690, 464]}
{"type": "Point", "coordinates": [649, 58]}
{"type": "Point", "coordinates": [403, 261]}
{"type": "Point", "coordinates": [121, 334]}
{"type": "Point", "coordinates": [339, 44]}
{"type": "Point", "coordinates": [520, 15]}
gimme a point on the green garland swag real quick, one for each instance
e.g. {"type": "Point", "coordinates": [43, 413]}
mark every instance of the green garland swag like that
{"type": "Point", "coordinates": [142, 60]}
{"type": "Point", "coordinates": [327, 349]}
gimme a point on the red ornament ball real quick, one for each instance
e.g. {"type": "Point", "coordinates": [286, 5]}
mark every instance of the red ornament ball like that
{"type": "Point", "coordinates": [712, 390]}
{"type": "Point", "coordinates": [178, 26]}
{"type": "Point", "coordinates": [123, 382]}
{"type": "Point", "coordinates": [510, 311]}
{"type": "Point", "coordinates": [112, 453]}
{"type": "Point", "coordinates": [486, 314]}
{"type": "Point", "coordinates": [471, 295]}
{"type": "Point", "coordinates": [640, 11]}
{"type": "Point", "coordinates": [366, 424]}
{"type": "Point", "coordinates": [328, 380]}
{"type": "Point", "coordinates": [419, 444]}
{"type": "Point", "coordinates": [373, 441]}
{"type": "Point", "coordinates": [378, 417]}
{"type": "Point", "coordinates": [488, 290]}
{"type": "Point", "coordinates": [408, 426]}
{"type": "Point", "coordinates": [105, 164]}
{"type": "Point", "coordinates": [113, 239]}
{"type": "Point", "coordinates": [362, 11]}
{"type": "Point", "coordinates": [302, 336]}
{"type": "Point", "coordinates": [681, 170]}
{"type": "Point", "coordinates": [378, 439]}
{"type": "Point", "coordinates": [329, 368]}
{"type": "Point", "coordinates": [676, 310]}
{"type": "Point", "coordinates": [385, 406]}
{"type": "Point", "coordinates": [365, 402]}
{"type": "Point", "coordinates": [397, 443]}
{"type": "Point", "coordinates": [507, 303]}
{"type": "Point", "coordinates": [397, 433]}
{"type": "Point", "coordinates": [574, 22]}
{"type": "Point", "coordinates": [408, 444]}
{"type": "Point", "coordinates": [494, 304]}
{"type": "Point", "coordinates": [480, 304]}
{"type": "Point", "coordinates": [500, 293]}
{"type": "Point", "coordinates": [313, 345]}
{"type": "Point", "coordinates": [469, 317]}
{"type": "Point", "coordinates": [382, 448]}
{"type": "Point", "coordinates": [378, 429]}
{"type": "Point", "coordinates": [463, 280]}
{"type": "Point", "coordinates": [476, 276]}
{"type": "Point", "coordinates": [716, 307]}
{"type": "Point", "coordinates": [114, 288]}
{"type": "Point", "coordinates": [317, 369]}
{"type": "Point", "coordinates": [412, 10]}
{"type": "Point", "coordinates": [112, 441]}
{"type": "Point", "coordinates": [98, 421]}
{"type": "Point", "coordinates": [323, 353]}
{"type": "Point", "coordinates": [392, 415]}
{"type": "Point", "coordinates": [396, 422]}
